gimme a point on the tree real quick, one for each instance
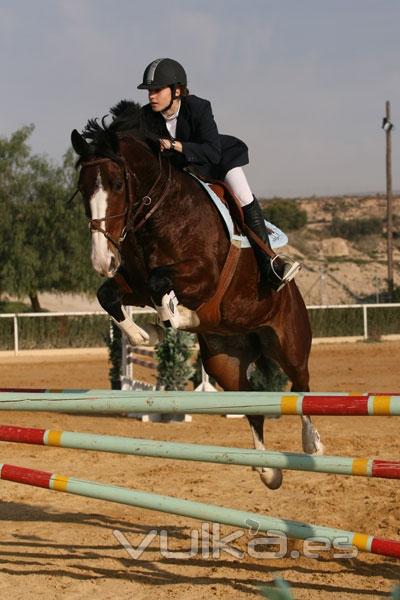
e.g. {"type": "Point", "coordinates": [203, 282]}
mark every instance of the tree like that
{"type": "Point", "coordinates": [13, 156]}
{"type": "Point", "coordinates": [44, 242]}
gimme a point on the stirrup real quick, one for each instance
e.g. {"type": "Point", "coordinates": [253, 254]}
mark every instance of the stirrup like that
{"type": "Point", "coordinates": [290, 269]}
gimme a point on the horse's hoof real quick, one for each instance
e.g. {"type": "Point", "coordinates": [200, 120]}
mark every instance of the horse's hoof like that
{"type": "Point", "coordinates": [311, 441]}
{"type": "Point", "coordinates": [272, 478]}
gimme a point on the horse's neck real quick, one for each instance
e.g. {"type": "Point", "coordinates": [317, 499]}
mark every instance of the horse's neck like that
{"type": "Point", "coordinates": [188, 203]}
{"type": "Point", "coordinates": [184, 200]}
{"type": "Point", "coordinates": [141, 161]}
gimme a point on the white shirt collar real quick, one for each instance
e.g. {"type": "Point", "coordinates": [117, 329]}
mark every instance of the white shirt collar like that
{"type": "Point", "coordinates": [174, 116]}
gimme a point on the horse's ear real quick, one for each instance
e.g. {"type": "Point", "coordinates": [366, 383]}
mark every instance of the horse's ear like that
{"type": "Point", "coordinates": [79, 144]}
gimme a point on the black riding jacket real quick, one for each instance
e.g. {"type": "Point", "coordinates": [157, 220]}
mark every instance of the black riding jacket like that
{"type": "Point", "coordinates": [205, 150]}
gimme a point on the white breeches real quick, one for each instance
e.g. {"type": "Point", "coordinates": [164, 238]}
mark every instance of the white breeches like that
{"type": "Point", "coordinates": [237, 181]}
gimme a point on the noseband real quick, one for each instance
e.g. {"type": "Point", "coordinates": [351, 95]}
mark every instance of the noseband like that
{"type": "Point", "coordinates": [141, 206]}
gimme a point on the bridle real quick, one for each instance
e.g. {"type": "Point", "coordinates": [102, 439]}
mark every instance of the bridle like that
{"type": "Point", "coordinates": [140, 215]}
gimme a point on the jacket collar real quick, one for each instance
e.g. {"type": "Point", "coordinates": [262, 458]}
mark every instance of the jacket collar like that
{"type": "Point", "coordinates": [183, 119]}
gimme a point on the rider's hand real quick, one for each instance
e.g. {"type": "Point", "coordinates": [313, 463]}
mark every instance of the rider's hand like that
{"type": "Point", "coordinates": [165, 144]}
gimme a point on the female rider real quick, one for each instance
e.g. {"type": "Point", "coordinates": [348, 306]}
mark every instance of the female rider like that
{"type": "Point", "coordinates": [186, 126]}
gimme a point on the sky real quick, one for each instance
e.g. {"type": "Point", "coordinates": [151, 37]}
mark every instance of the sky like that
{"type": "Point", "coordinates": [302, 82]}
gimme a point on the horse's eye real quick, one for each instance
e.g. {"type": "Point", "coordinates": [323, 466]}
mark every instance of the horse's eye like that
{"type": "Point", "coordinates": [117, 185]}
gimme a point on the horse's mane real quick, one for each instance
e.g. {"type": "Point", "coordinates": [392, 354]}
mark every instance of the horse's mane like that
{"type": "Point", "coordinates": [126, 120]}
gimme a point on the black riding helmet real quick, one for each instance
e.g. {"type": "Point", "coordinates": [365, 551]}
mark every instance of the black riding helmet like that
{"type": "Point", "coordinates": [163, 72]}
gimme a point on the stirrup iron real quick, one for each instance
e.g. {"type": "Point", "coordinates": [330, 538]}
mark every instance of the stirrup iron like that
{"type": "Point", "coordinates": [290, 269]}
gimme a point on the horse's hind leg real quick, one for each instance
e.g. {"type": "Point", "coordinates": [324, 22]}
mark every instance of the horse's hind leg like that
{"type": "Point", "coordinates": [310, 438]}
{"type": "Point", "coordinates": [271, 477]}
{"type": "Point", "coordinates": [293, 359]}
{"type": "Point", "coordinates": [228, 362]}
{"type": "Point", "coordinates": [291, 353]}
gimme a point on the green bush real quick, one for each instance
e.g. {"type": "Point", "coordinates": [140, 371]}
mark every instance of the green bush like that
{"type": "Point", "coordinates": [355, 228]}
{"type": "Point", "coordinates": [285, 214]}
{"type": "Point", "coordinates": [173, 354]}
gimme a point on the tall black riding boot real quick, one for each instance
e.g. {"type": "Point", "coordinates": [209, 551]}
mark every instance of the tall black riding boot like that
{"type": "Point", "coordinates": [275, 272]}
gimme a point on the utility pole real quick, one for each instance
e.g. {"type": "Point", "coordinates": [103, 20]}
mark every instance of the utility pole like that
{"type": "Point", "coordinates": [387, 125]}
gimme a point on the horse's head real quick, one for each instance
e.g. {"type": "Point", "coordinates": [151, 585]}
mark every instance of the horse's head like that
{"type": "Point", "coordinates": [122, 180]}
{"type": "Point", "coordinates": [105, 187]}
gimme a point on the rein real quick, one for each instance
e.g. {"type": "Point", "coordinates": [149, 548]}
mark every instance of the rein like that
{"type": "Point", "coordinates": [143, 203]}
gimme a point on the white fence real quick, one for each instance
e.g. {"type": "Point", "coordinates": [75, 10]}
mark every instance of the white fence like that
{"type": "Point", "coordinates": [16, 317]}
{"type": "Point", "coordinates": [363, 333]}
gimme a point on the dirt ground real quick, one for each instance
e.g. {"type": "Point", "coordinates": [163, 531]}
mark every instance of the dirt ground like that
{"type": "Point", "coordinates": [53, 544]}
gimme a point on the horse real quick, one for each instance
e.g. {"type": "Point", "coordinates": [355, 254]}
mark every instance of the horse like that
{"type": "Point", "coordinates": [159, 223]}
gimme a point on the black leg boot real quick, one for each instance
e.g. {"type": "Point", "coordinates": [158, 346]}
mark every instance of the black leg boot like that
{"type": "Point", "coordinates": [275, 272]}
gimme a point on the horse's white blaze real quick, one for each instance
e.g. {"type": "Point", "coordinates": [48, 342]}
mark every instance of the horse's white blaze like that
{"type": "Point", "coordinates": [102, 257]}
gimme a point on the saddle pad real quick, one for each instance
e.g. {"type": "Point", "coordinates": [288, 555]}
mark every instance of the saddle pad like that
{"type": "Point", "coordinates": [277, 238]}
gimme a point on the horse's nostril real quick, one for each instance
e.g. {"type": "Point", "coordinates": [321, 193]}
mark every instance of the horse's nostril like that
{"type": "Point", "coordinates": [115, 261]}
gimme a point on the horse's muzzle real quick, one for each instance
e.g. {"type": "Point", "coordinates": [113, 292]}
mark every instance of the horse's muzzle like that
{"type": "Point", "coordinates": [105, 261]}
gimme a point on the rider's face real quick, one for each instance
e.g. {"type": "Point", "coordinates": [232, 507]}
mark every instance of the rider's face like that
{"type": "Point", "coordinates": [160, 98]}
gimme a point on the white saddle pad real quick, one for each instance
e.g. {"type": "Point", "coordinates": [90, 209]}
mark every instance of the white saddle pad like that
{"type": "Point", "coordinates": [277, 237]}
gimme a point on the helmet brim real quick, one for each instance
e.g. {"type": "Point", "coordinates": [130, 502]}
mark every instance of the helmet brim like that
{"type": "Point", "coordinates": [150, 86]}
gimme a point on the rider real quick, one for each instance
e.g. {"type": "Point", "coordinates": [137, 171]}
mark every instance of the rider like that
{"type": "Point", "coordinates": [186, 126]}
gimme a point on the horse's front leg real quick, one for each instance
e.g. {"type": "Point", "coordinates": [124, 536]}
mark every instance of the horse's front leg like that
{"type": "Point", "coordinates": [171, 313]}
{"type": "Point", "coordinates": [110, 295]}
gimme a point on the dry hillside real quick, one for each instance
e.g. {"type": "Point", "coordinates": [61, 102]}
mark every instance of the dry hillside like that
{"type": "Point", "coordinates": [338, 270]}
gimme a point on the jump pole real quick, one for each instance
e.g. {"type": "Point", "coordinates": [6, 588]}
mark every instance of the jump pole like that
{"type": "Point", "coordinates": [250, 403]}
{"type": "Point", "coordinates": [195, 452]}
{"type": "Point", "coordinates": [196, 510]}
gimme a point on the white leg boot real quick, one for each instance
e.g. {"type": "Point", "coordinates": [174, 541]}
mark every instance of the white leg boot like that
{"type": "Point", "coordinates": [179, 317]}
{"type": "Point", "coordinates": [135, 334]}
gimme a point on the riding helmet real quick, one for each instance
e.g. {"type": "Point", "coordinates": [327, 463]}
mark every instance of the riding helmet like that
{"type": "Point", "coordinates": [163, 72]}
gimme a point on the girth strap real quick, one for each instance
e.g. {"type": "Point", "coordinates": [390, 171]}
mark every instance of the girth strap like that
{"type": "Point", "coordinates": [209, 312]}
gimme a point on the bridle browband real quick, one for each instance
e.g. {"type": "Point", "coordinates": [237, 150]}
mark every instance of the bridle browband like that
{"type": "Point", "coordinates": [131, 224]}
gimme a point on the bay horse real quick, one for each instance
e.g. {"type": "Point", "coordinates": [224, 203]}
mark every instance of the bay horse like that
{"type": "Point", "coordinates": [159, 221]}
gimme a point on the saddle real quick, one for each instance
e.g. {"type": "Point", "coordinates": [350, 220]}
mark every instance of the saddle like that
{"type": "Point", "coordinates": [209, 312]}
